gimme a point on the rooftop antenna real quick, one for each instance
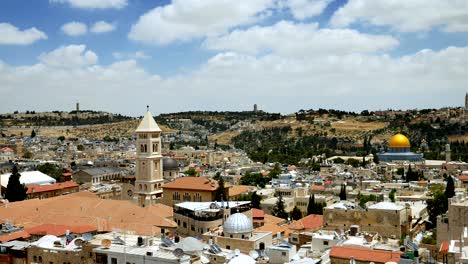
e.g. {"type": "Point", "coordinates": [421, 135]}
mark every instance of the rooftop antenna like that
{"type": "Point", "coordinates": [147, 108]}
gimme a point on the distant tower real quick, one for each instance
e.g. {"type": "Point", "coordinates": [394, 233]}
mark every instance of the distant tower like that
{"type": "Point", "coordinates": [447, 153]}
{"type": "Point", "coordinates": [77, 114]}
{"type": "Point", "coordinates": [77, 107]}
{"type": "Point", "coordinates": [149, 171]}
{"type": "Point", "coordinates": [466, 101]}
{"type": "Point", "coordinates": [255, 108]}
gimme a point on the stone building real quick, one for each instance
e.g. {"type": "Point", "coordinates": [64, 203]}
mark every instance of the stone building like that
{"type": "Point", "coordinates": [170, 169]}
{"type": "Point", "coordinates": [237, 232]}
{"type": "Point", "coordinates": [451, 225]}
{"type": "Point", "coordinates": [97, 175]}
{"type": "Point", "coordinates": [149, 167]}
{"type": "Point", "coordinates": [196, 218]}
{"type": "Point", "coordinates": [385, 218]}
{"type": "Point", "coordinates": [190, 189]}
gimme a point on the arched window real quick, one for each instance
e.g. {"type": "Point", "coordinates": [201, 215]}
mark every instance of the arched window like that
{"type": "Point", "coordinates": [142, 149]}
{"type": "Point", "coordinates": [146, 187]}
{"type": "Point", "coordinates": [262, 246]}
{"type": "Point", "coordinates": [146, 148]}
{"type": "Point", "coordinates": [141, 187]}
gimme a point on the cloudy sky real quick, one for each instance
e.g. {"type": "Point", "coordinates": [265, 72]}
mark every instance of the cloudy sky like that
{"type": "Point", "coordinates": [284, 55]}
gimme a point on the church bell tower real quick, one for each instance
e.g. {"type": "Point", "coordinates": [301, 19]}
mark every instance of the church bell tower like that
{"type": "Point", "coordinates": [149, 173]}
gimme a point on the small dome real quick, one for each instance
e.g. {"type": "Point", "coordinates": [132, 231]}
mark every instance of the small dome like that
{"type": "Point", "coordinates": [399, 141]}
{"type": "Point", "coordinates": [170, 164]}
{"type": "Point", "coordinates": [238, 223]}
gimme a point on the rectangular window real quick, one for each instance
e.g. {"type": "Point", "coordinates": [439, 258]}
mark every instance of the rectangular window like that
{"type": "Point", "coordinates": [228, 247]}
{"type": "Point", "coordinates": [283, 254]}
{"type": "Point", "coordinates": [325, 243]}
{"type": "Point", "coordinates": [192, 228]}
{"type": "Point", "coordinates": [185, 225]}
{"type": "Point", "coordinates": [113, 261]}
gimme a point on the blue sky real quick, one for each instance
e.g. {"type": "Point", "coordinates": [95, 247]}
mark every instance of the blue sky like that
{"type": "Point", "coordinates": [285, 55]}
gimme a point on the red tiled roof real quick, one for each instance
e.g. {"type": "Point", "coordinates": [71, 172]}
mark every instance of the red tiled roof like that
{"type": "Point", "coordinates": [317, 188]}
{"type": "Point", "coordinates": [14, 236]}
{"type": "Point", "coordinates": [463, 177]}
{"type": "Point", "coordinates": [6, 149]}
{"type": "Point", "coordinates": [192, 183]}
{"type": "Point", "coordinates": [37, 188]}
{"type": "Point", "coordinates": [236, 190]}
{"type": "Point", "coordinates": [59, 230]}
{"type": "Point", "coordinates": [257, 213]}
{"type": "Point", "coordinates": [312, 221]}
{"type": "Point", "coordinates": [365, 254]}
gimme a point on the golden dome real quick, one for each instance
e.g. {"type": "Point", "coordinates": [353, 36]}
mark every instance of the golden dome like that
{"type": "Point", "coordinates": [399, 141]}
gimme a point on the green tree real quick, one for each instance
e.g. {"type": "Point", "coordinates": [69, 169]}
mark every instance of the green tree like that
{"type": "Point", "coordinates": [27, 154]}
{"type": "Point", "coordinates": [255, 200]}
{"type": "Point", "coordinates": [366, 198]}
{"type": "Point", "coordinates": [15, 190]}
{"type": "Point", "coordinates": [190, 172]}
{"type": "Point", "coordinates": [450, 188]}
{"type": "Point", "coordinates": [50, 169]}
{"type": "Point", "coordinates": [391, 195]}
{"type": "Point", "coordinates": [221, 191]}
{"type": "Point", "coordinates": [80, 147]}
{"type": "Point", "coordinates": [33, 134]}
{"type": "Point", "coordinates": [278, 209]}
{"type": "Point", "coordinates": [343, 193]}
{"type": "Point", "coordinates": [61, 138]}
{"type": "Point", "coordinates": [275, 171]}
{"type": "Point", "coordinates": [311, 205]}
{"type": "Point", "coordinates": [296, 214]}
{"type": "Point", "coordinates": [217, 176]}
{"type": "Point", "coordinates": [437, 205]}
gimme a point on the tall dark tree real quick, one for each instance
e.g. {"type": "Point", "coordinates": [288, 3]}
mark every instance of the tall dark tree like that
{"type": "Point", "coordinates": [255, 200]}
{"type": "Point", "coordinates": [296, 214]}
{"type": "Point", "coordinates": [33, 134]}
{"type": "Point", "coordinates": [311, 205]}
{"type": "Point", "coordinates": [15, 190]}
{"type": "Point", "coordinates": [278, 210]}
{"type": "Point", "coordinates": [221, 191]}
{"type": "Point", "coordinates": [343, 193]}
{"type": "Point", "coordinates": [450, 188]}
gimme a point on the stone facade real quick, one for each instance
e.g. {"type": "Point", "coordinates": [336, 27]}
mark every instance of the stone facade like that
{"type": "Point", "coordinates": [386, 223]}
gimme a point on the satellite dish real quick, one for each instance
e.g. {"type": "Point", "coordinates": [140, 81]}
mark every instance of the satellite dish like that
{"type": "Point", "coordinates": [253, 254]}
{"type": "Point", "coordinates": [178, 252]}
{"type": "Point", "coordinates": [78, 242]}
{"type": "Point", "coordinates": [58, 244]}
{"type": "Point", "coordinates": [106, 243]}
{"type": "Point", "coordinates": [237, 252]}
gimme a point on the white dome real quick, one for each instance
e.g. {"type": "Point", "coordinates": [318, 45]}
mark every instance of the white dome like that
{"type": "Point", "coordinates": [238, 223]}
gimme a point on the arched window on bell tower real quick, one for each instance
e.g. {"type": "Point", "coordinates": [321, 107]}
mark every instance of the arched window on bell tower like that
{"type": "Point", "coordinates": [142, 149]}
{"type": "Point", "coordinates": [146, 148]}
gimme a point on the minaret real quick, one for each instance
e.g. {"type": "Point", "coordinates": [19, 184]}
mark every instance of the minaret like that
{"type": "Point", "coordinates": [466, 101]}
{"type": "Point", "coordinates": [447, 153]}
{"type": "Point", "coordinates": [149, 173]}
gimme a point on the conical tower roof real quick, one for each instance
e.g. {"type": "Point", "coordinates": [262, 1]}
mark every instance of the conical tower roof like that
{"type": "Point", "coordinates": [148, 124]}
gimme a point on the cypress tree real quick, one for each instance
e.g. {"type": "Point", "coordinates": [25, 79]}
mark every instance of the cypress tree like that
{"type": "Point", "coordinates": [450, 188]}
{"type": "Point", "coordinates": [15, 190]}
{"type": "Point", "coordinates": [311, 205]}
{"type": "Point", "coordinates": [343, 193]}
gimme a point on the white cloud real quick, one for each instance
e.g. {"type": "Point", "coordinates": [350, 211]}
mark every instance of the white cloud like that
{"type": "Point", "coordinates": [134, 56]}
{"type": "Point", "coordinates": [75, 28]}
{"type": "Point", "coordinates": [404, 15]}
{"type": "Point", "coordinates": [72, 56]}
{"type": "Point", "coordinates": [11, 35]}
{"type": "Point", "coordinates": [189, 19]}
{"type": "Point", "coordinates": [102, 27]}
{"type": "Point", "coordinates": [351, 81]}
{"type": "Point", "coordinates": [302, 9]}
{"type": "Point", "coordinates": [300, 40]}
{"type": "Point", "coordinates": [94, 4]}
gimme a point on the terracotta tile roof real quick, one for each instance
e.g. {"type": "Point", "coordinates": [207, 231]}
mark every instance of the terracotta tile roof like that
{"type": "Point", "coordinates": [14, 236]}
{"type": "Point", "coordinates": [317, 188]}
{"type": "Point", "coordinates": [274, 229]}
{"type": "Point", "coordinates": [192, 183]}
{"type": "Point", "coordinates": [309, 222]}
{"type": "Point", "coordinates": [37, 188]}
{"type": "Point", "coordinates": [59, 230]}
{"type": "Point", "coordinates": [161, 209]}
{"type": "Point", "coordinates": [273, 219]}
{"type": "Point", "coordinates": [365, 254]}
{"type": "Point", "coordinates": [6, 149]}
{"type": "Point", "coordinates": [463, 177]}
{"type": "Point", "coordinates": [257, 213]}
{"type": "Point", "coordinates": [236, 190]}
{"type": "Point", "coordinates": [84, 208]}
